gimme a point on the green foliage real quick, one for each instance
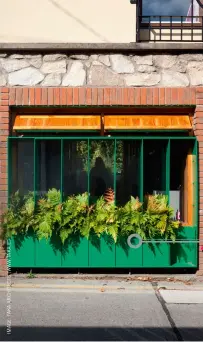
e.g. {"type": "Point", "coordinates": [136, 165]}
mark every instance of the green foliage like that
{"type": "Point", "coordinates": [104, 219]}
{"type": "Point", "coordinates": [48, 214]}
{"type": "Point", "coordinates": [74, 216]}
{"type": "Point", "coordinates": [19, 217]}
{"type": "Point", "coordinates": [31, 275]}
{"type": "Point", "coordinates": [152, 219]}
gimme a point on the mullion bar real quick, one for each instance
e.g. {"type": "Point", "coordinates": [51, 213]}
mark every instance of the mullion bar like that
{"type": "Point", "coordinates": [88, 170]}
{"type": "Point", "coordinates": [160, 23]}
{"type": "Point", "coordinates": [115, 169]}
{"type": "Point", "coordinates": [142, 171]}
{"type": "Point", "coordinates": [171, 35]}
{"type": "Point", "coordinates": [168, 156]}
{"type": "Point", "coordinates": [9, 172]}
{"type": "Point", "coordinates": [62, 169]}
{"type": "Point", "coordinates": [181, 28]}
{"type": "Point", "coordinates": [35, 170]}
{"type": "Point", "coordinates": [196, 185]}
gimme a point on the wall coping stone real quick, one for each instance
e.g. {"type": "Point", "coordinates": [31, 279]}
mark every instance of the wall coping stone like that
{"type": "Point", "coordinates": [141, 47]}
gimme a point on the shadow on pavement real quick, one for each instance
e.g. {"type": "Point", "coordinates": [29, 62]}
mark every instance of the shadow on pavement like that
{"type": "Point", "coordinates": [99, 334]}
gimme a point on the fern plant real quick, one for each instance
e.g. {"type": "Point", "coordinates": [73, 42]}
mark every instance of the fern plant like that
{"type": "Point", "coordinates": [12, 220]}
{"type": "Point", "coordinates": [152, 219]}
{"type": "Point", "coordinates": [158, 220]}
{"type": "Point", "coordinates": [48, 214]}
{"type": "Point", "coordinates": [74, 216]}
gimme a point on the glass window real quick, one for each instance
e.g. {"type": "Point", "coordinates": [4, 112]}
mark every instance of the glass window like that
{"type": "Point", "coordinates": [128, 166]}
{"type": "Point", "coordinates": [22, 166]}
{"type": "Point", "coordinates": [48, 166]}
{"type": "Point", "coordinates": [171, 8]}
{"type": "Point", "coordinates": [167, 7]}
{"type": "Point", "coordinates": [102, 154]}
{"type": "Point", "coordinates": [154, 167]}
{"type": "Point", "coordinates": [75, 172]}
{"type": "Point", "coordinates": [182, 180]}
{"type": "Point", "coordinates": [127, 170]}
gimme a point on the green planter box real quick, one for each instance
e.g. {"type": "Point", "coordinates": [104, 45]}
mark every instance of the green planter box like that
{"type": "Point", "coordinates": [156, 255]}
{"type": "Point", "coordinates": [22, 251]}
{"type": "Point", "coordinates": [185, 254]}
{"type": "Point", "coordinates": [128, 257]}
{"type": "Point", "coordinates": [48, 253]}
{"type": "Point", "coordinates": [78, 252]}
{"type": "Point", "coordinates": [102, 252]}
{"type": "Point", "coordinates": [74, 253]}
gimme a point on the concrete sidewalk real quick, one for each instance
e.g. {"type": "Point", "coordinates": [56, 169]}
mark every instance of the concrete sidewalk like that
{"type": "Point", "coordinates": [120, 284]}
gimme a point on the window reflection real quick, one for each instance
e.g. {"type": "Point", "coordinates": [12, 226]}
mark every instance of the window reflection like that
{"type": "Point", "coordinates": [22, 171]}
{"type": "Point", "coordinates": [154, 167]}
{"type": "Point", "coordinates": [127, 170]}
{"type": "Point", "coordinates": [75, 167]}
{"type": "Point", "coordinates": [101, 167]}
{"type": "Point", "coordinates": [48, 166]}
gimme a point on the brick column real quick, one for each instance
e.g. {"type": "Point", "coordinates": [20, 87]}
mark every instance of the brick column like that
{"type": "Point", "coordinates": [4, 131]}
{"type": "Point", "coordinates": [198, 129]}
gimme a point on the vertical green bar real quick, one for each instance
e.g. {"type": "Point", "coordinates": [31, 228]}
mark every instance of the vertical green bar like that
{"type": "Point", "coordinates": [35, 169]}
{"type": "Point", "coordinates": [142, 171]}
{"type": "Point", "coordinates": [62, 168]}
{"type": "Point", "coordinates": [196, 185]}
{"type": "Point", "coordinates": [88, 170]}
{"type": "Point", "coordinates": [115, 169]}
{"type": "Point", "coordinates": [168, 157]}
{"type": "Point", "coordinates": [9, 172]}
{"type": "Point", "coordinates": [88, 190]}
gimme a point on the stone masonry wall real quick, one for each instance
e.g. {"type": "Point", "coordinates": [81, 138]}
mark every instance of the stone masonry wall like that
{"type": "Point", "coordinates": [49, 70]}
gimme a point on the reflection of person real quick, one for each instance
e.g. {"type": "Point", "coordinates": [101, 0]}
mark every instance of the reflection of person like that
{"type": "Point", "coordinates": [100, 178]}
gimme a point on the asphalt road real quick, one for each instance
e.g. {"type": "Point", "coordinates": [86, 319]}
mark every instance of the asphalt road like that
{"type": "Point", "coordinates": [60, 314]}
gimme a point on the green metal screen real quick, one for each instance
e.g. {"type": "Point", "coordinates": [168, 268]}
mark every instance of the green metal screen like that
{"type": "Point", "coordinates": [130, 165]}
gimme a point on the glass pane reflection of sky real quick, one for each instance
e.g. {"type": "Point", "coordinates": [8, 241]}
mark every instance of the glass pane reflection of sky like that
{"type": "Point", "coordinates": [166, 7]}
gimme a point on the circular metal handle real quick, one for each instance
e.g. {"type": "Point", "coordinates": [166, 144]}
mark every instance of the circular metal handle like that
{"type": "Point", "coordinates": [137, 236]}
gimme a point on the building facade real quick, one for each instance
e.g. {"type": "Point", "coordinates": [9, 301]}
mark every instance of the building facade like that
{"type": "Point", "coordinates": [119, 83]}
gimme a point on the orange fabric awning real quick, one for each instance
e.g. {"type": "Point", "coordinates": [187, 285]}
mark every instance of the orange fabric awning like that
{"type": "Point", "coordinates": [59, 122]}
{"type": "Point", "coordinates": [142, 122]}
{"type": "Point", "coordinates": [109, 122]}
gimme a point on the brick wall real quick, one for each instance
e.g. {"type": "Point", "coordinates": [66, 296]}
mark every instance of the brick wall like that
{"type": "Point", "coordinates": [4, 128]}
{"type": "Point", "coordinates": [97, 97]}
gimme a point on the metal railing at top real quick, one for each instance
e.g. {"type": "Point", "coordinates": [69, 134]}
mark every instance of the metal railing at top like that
{"type": "Point", "coordinates": [170, 28]}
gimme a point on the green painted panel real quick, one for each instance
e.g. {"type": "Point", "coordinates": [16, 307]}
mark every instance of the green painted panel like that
{"type": "Point", "coordinates": [187, 233]}
{"type": "Point", "coordinates": [22, 251]}
{"type": "Point", "coordinates": [101, 252]}
{"type": "Point", "coordinates": [48, 253]}
{"type": "Point", "coordinates": [185, 254]}
{"type": "Point", "coordinates": [126, 256]}
{"type": "Point", "coordinates": [156, 255]}
{"type": "Point", "coordinates": [75, 253]}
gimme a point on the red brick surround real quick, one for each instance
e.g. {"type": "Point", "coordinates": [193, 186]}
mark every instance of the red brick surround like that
{"type": "Point", "coordinates": [98, 97]}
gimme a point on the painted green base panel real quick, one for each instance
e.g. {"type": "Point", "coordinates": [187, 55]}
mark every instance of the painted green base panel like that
{"type": "Point", "coordinates": [48, 253]}
{"type": "Point", "coordinates": [185, 254]}
{"type": "Point", "coordinates": [101, 252]}
{"type": "Point", "coordinates": [128, 257]}
{"type": "Point", "coordinates": [156, 255]}
{"type": "Point", "coordinates": [28, 252]}
{"type": "Point", "coordinates": [22, 251]}
{"type": "Point", "coordinates": [75, 253]}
